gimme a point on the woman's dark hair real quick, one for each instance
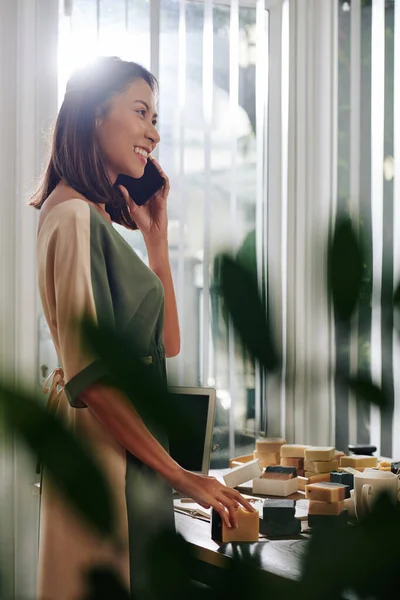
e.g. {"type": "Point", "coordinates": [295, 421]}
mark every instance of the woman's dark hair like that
{"type": "Point", "coordinates": [75, 155]}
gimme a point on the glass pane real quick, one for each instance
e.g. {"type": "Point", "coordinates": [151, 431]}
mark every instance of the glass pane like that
{"type": "Point", "coordinates": [357, 423]}
{"type": "Point", "coordinates": [230, 375]}
{"type": "Point", "coordinates": [123, 28]}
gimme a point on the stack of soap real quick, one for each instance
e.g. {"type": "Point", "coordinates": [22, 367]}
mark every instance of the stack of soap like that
{"type": "Point", "coordinates": [298, 463]}
{"type": "Point", "coordinates": [247, 530]}
{"type": "Point", "coordinates": [319, 459]}
{"type": "Point", "coordinates": [346, 479]}
{"type": "Point", "coordinates": [359, 461]}
{"type": "Point", "coordinates": [316, 478]}
{"type": "Point", "coordinates": [326, 506]}
{"type": "Point", "coordinates": [268, 451]}
{"type": "Point", "coordinates": [276, 481]}
{"type": "Point", "coordinates": [292, 455]}
{"type": "Point", "coordinates": [278, 518]}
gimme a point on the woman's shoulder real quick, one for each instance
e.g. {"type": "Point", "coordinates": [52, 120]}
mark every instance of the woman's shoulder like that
{"type": "Point", "coordinates": [71, 212]}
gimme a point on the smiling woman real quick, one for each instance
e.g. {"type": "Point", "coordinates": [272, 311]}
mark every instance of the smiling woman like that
{"type": "Point", "coordinates": [116, 99]}
{"type": "Point", "coordinates": [106, 127]}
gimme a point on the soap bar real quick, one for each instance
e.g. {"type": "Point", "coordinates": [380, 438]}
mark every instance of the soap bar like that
{"type": "Point", "coordinates": [275, 487]}
{"type": "Point", "coordinates": [319, 453]}
{"type": "Point", "coordinates": [358, 461]}
{"type": "Point", "coordinates": [247, 530]}
{"type": "Point", "coordinates": [303, 480]}
{"type": "Point", "coordinates": [288, 472]}
{"type": "Point", "coordinates": [269, 445]}
{"type": "Point", "coordinates": [280, 511]}
{"type": "Point", "coordinates": [339, 454]}
{"type": "Point", "coordinates": [395, 467]}
{"type": "Point", "coordinates": [240, 460]}
{"type": "Point", "coordinates": [328, 520]}
{"type": "Point", "coordinates": [289, 461]}
{"type": "Point", "coordinates": [293, 450]}
{"type": "Point", "coordinates": [320, 466]}
{"type": "Point", "coordinates": [315, 507]}
{"type": "Point", "coordinates": [346, 479]}
{"type": "Point", "coordinates": [276, 529]}
{"type": "Point", "coordinates": [266, 459]}
{"type": "Point", "coordinates": [326, 491]}
{"type": "Point", "coordinates": [243, 473]}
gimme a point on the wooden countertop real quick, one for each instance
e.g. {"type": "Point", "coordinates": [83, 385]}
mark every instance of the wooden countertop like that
{"type": "Point", "coordinates": [281, 557]}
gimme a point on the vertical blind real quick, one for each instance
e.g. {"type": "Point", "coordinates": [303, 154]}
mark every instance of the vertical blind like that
{"type": "Point", "coordinates": [368, 175]}
{"type": "Point", "coordinates": [211, 59]}
{"type": "Point", "coordinates": [265, 145]}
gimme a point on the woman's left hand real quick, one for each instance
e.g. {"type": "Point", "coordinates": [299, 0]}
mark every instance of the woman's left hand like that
{"type": "Point", "coordinates": [151, 218]}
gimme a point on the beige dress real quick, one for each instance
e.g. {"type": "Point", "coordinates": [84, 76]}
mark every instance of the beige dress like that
{"type": "Point", "coordinates": [86, 267]}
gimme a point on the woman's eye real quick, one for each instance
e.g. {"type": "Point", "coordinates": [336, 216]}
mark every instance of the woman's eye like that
{"type": "Point", "coordinates": [142, 112]}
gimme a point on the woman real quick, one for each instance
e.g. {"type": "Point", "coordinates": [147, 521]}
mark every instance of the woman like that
{"type": "Point", "coordinates": [107, 126]}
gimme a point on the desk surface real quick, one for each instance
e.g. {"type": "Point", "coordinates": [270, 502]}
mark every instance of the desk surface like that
{"type": "Point", "coordinates": [281, 557]}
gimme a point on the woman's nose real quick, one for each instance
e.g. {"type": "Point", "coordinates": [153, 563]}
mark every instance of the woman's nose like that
{"type": "Point", "coordinates": [153, 135]}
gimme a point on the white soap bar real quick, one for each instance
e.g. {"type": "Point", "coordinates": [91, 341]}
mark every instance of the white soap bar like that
{"type": "Point", "coordinates": [276, 487]}
{"type": "Point", "coordinates": [320, 466]}
{"type": "Point", "coordinates": [293, 450]}
{"type": "Point", "coordinates": [319, 453]}
{"type": "Point", "coordinates": [243, 473]}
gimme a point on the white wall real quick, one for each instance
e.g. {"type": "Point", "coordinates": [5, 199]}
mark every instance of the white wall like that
{"type": "Point", "coordinates": [28, 84]}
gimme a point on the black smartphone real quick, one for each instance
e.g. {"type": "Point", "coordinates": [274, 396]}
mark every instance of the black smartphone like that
{"type": "Point", "coordinates": [140, 190]}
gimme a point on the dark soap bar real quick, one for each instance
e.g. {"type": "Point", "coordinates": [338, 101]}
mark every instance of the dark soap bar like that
{"type": "Point", "coordinates": [328, 520]}
{"type": "Point", "coordinates": [365, 449]}
{"type": "Point", "coordinates": [346, 479]}
{"type": "Point", "coordinates": [395, 467]}
{"type": "Point", "coordinates": [280, 469]}
{"type": "Point", "coordinates": [274, 529]}
{"type": "Point", "coordinates": [216, 526]}
{"type": "Point", "coordinates": [279, 511]}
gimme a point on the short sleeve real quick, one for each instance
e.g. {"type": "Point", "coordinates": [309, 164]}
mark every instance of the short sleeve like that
{"type": "Point", "coordinates": [68, 292]}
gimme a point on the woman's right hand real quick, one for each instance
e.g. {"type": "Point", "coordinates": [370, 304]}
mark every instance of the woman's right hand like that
{"type": "Point", "coordinates": [209, 492]}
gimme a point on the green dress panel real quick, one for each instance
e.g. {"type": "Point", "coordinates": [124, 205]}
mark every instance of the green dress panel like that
{"type": "Point", "coordinates": [85, 266]}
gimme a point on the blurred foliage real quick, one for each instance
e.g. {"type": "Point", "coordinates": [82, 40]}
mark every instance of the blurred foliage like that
{"type": "Point", "coordinates": [361, 558]}
{"type": "Point", "coordinates": [345, 266]}
{"type": "Point", "coordinates": [68, 462]}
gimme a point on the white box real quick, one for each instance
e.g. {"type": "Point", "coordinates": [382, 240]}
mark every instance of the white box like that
{"type": "Point", "coordinates": [243, 473]}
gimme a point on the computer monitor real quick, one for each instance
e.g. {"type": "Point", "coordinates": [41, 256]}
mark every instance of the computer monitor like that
{"type": "Point", "coordinates": [199, 405]}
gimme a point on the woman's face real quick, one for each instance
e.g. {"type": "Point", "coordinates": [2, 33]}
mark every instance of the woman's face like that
{"type": "Point", "coordinates": [128, 134]}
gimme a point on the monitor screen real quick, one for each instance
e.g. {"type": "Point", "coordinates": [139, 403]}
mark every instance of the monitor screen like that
{"type": "Point", "coordinates": [198, 406]}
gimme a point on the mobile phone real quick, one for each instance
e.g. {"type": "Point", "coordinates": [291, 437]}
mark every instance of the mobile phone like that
{"type": "Point", "coordinates": [141, 189]}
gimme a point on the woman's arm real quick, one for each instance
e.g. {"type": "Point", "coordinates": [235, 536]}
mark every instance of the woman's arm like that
{"type": "Point", "coordinates": [159, 263]}
{"type": "Point", "coordinates": [119, 417]}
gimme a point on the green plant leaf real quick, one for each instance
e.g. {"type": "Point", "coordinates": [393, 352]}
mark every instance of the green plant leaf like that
{"type": "Point", "coordinates": [345, 268]}
{"type": "Point", "coordinates": [239, 289]}
{"type": "Point", "coordinates": [105, 585]}
{"type": "Point", "coordinates": [66, 460]}
{"type": "Point", "coordinates": [396, 297]}
{"type": "Point", "coordinates": [368, 391]}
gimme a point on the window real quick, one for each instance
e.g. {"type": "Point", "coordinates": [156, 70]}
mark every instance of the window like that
{"type": "Point", "coordinates": [368, 90]}
{"type": "Point", "coordinates": [212, 103]}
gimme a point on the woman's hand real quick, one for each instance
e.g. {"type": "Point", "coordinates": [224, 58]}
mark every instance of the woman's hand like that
{"type": "Point", "coordinates": [151, 218]}
{"type": "Point", "coordinates": [208, 491]}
